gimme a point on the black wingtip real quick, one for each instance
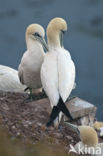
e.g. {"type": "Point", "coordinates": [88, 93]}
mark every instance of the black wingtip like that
{"type": "Point", "coordinates": [56, 110]}
{"type": "Point", "coordinates": [53, 115]}
{"type": "Point", "coordinates": [61, 105]}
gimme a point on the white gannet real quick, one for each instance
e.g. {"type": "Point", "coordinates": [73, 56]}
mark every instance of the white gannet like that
{"type": "Point", "coordinates": [57, 71]}
{"type": "Point", "coordinates": [29, 68]}
{"type": "Point", "coordinates": [9, 80]}
{"type": "Point", "coordinates": [89, 140]}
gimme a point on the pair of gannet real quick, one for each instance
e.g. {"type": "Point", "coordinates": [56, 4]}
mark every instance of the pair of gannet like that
{"type": "Point", "coordinates": [56, 66]}
{"type": "Point", "coordinates": [9, 80]}
{"type": "Point", "coordinates": [89, 141]}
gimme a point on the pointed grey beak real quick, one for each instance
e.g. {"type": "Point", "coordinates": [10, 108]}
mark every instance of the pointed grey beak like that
{"type": "Point", "coordinates": [44, 44]}
{"type": "Point", "coordinates": [42, 41]}
{"type": "Point", "coordinates": [61, 38]}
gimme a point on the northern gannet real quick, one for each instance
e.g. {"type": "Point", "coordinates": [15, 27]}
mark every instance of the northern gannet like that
{"type": "Point", "coordinates": [9, 80]}
{"type": "Point", "coordinates": [89, 140]}
{"type": "Point", "coordinates": [57, 71]}
{"type": "Point", "coordinates": [98, 125]}
{"type": "Point", "coordinates": [29, 68]}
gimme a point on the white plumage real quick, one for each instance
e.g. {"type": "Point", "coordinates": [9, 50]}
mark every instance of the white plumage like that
{"type": "Point", "coordinates": [29, 68]}
{"type": "Point", "coordinates": [58, 75]}
{"type": "Point", "coordinates": [49, 77]}
{"type": "Point", "coordinates": [66, 71]}
{"type": "Point", "coordinates": [58, 70]}
{"type": "Point", "coordinates": [9, 80]}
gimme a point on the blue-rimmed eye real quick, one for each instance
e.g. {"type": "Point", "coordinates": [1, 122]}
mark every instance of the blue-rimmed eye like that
{"type": "Point", "coordinates": [36, 34]}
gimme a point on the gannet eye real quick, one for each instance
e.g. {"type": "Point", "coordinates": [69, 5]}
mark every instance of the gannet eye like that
{"type": "Point", "coordinates": [37, 35]}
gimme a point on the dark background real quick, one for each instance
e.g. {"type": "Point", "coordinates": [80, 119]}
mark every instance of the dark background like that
{"type": "Point", "coordinates": [84, 38]}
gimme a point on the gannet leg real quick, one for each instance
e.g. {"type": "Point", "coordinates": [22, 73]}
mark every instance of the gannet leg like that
{"type": "Point", "coordinates": [30, 97]}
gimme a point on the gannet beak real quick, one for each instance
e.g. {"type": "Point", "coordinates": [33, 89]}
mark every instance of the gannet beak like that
{"type": "Point", "coordinates": [74, 127]}
{"type": "Point", "coordinates": [44, 44]}
{"type": "Point", "coordinates": [42, 41]}
{"type": "Point", "coordinates": [61, 38]}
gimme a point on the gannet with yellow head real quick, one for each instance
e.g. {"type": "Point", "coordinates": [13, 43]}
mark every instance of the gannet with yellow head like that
{"type": "Point", "coordinates": [57, 71]}
{"type": "Point", "coordinates": [98, 125]}
{"type": "Point", "coordinates": [29, 68]}
{"type": "Point", "coordinates": [89, 140]}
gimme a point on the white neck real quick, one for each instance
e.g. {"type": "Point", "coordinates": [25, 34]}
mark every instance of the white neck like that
{"type": "Point", "coordinates": [31, 43]}
{"type": "Point", "coordinates": [53, 40]}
